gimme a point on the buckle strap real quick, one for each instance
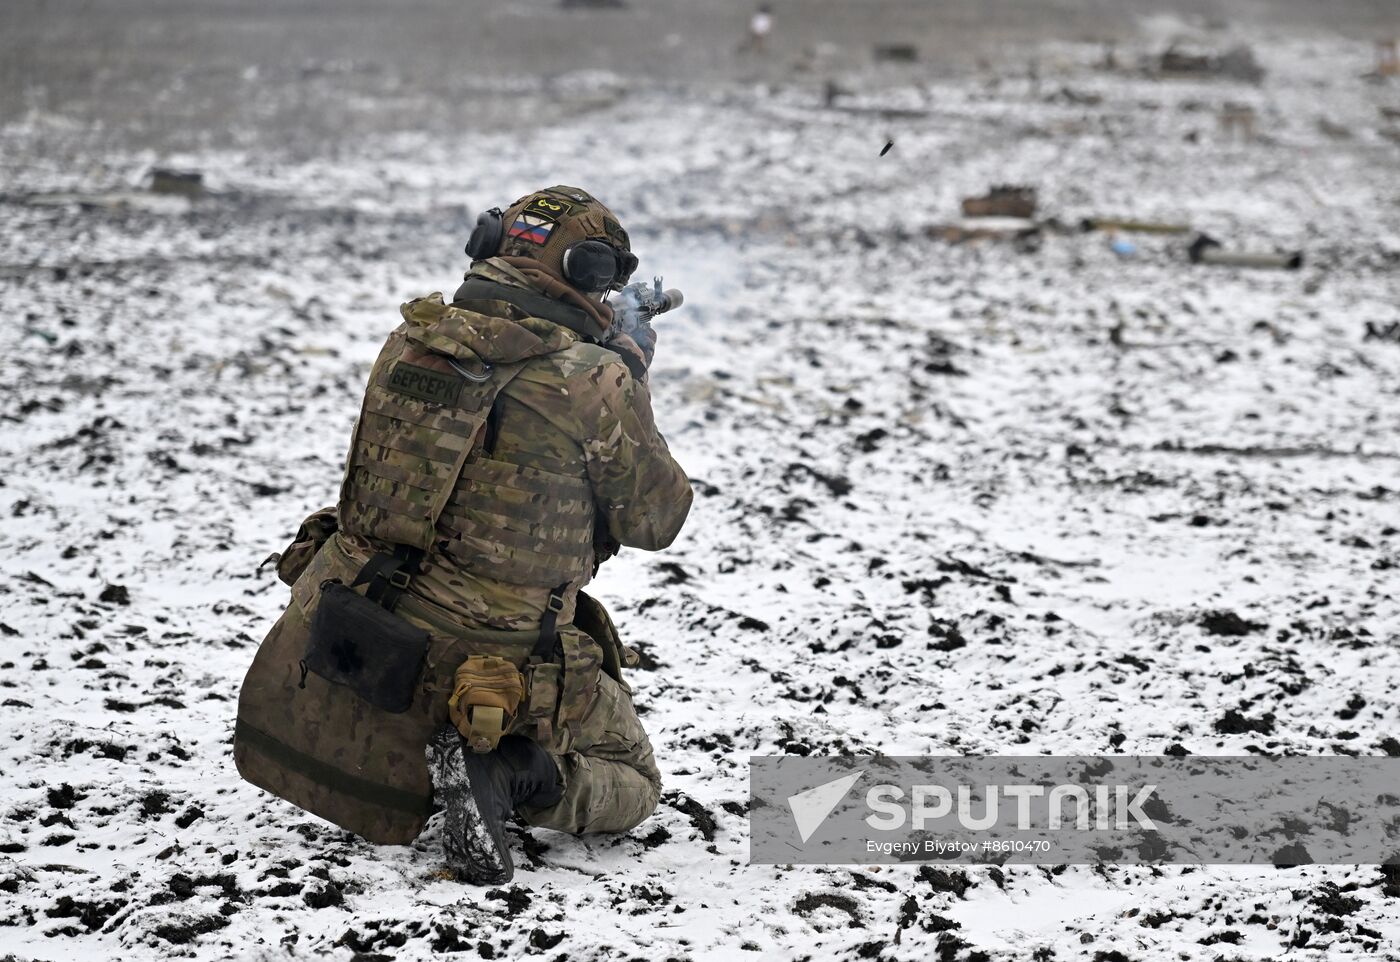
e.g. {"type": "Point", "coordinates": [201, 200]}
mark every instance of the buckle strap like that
{"type": "Point", "coordinates": [549, 631]}
{"type": "Point", "coordinates": [388, 575]}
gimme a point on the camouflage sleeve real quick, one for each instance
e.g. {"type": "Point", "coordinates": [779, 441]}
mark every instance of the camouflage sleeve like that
{"type": "Point", "coordinates": [640, 490]}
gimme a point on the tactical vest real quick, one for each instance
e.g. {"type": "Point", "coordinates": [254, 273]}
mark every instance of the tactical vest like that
{"type": "Point", "coordinates": [418, 475]}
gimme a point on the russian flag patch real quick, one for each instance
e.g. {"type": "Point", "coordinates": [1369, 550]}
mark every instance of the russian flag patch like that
{"type": "Point", "coordinates": [533, 229]}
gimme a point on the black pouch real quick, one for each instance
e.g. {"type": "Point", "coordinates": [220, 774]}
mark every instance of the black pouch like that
{"type": "Point", "coordinates": [371, 651]}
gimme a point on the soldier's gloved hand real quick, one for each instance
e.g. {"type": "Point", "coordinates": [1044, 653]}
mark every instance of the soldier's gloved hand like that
{"type": "Point", "coordinates": [644, 336]}
{"type": "Point", "coordinates": [631, 353]}
{"type": "Point", "coordinates": [632, 313]}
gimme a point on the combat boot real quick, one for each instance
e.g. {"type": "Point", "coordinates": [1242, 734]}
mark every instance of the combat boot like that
{"type": "Point", "coordinates": [480, 791]}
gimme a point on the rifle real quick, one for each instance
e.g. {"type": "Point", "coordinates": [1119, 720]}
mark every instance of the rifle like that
{"type": "Point", "coordinates": [638, 303]}
{"type": "Point", "coordinates": [635, 306]}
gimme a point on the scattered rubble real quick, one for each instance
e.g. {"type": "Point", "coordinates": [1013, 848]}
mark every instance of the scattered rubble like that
{"type": "Point", "coordinates": [1002, 201]}
{"type": "Point", "coordinates": [183, 183]}
{"type": "Point", "coordinates": [1237, 63]}
{"type": "Point", "coordinates": [1207, 250]}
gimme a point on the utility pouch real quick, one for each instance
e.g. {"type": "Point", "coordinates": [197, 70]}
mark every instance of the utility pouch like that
{"type": "Point", "coordinates": [486, 696]}
{"type": "Point", "coordinates": [561, 678]}
{"type": "Point", "coordinates": [359, 644]}
{"type": "Point", "coordinates": [542, 684]}
{"type": "Point", "coordinates": [593, 619]}
{"type": "Point", "coordinates": [578, 689]}
{"type": "Point", "coordinates": [313, 533]}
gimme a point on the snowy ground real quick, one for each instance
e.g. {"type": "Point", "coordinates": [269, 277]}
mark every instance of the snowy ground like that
{"type": "Point", "coordinates": [979, 498]}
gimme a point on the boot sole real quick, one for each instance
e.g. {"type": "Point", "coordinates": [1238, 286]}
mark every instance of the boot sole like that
{"type": "Point", "coordinates": [473, 852]}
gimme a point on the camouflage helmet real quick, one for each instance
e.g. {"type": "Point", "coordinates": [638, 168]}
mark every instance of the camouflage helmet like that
{"type": "Point", "coordinates": [553, 227]}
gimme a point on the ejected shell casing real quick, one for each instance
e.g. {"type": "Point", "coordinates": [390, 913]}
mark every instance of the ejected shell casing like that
{"type": "Point", "coordinates": [1207, 250]}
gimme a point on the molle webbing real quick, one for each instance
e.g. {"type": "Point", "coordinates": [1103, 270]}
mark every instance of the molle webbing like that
{"type": "Point", "coordinates": [407, 452]}
{"type": "Point", "coordinates": [520, 525]}
{"type": "Point", "coordinates": [409, 480]}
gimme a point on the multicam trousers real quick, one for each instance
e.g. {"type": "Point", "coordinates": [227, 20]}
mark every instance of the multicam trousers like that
{"type": "Point", "coordinates": [611, 782]}
{"type": "Point", "coordinates": [321, 747]}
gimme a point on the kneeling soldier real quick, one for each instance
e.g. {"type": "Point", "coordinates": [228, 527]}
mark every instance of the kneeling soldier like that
{"type": "Point", "coordinates": [505, 448]}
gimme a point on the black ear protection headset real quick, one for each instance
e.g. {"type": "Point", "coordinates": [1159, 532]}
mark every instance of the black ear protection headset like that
{"type": "Point", "coordinates": [595, 265]}
{"type": "Point", "coordinates": [590, 265]}
{"type": "Point", "coordinates": [486, 235]}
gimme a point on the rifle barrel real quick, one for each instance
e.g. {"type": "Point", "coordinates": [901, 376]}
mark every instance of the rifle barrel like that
{"type": "Point", "coordinates": [671, 300]}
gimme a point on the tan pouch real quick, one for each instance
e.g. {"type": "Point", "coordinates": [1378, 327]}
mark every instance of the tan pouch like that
{"type": "Point", "coordinates": [486, 695]}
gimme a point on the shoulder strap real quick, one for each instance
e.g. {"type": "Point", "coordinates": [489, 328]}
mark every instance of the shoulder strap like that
{"type": "Point", "coordinates": [536, 305]}
{"type": "Point", "coordinates": [549, 625]}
